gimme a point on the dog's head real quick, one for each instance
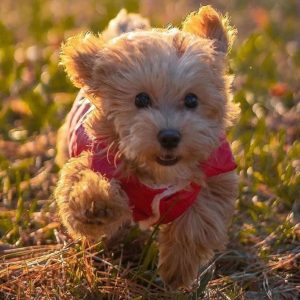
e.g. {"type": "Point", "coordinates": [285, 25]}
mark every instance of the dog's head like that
{"type": "Point", "coordinates": [162, 95]}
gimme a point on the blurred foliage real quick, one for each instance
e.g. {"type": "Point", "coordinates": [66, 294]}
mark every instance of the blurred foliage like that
{"type": "Point", "coordinates": [36, 95]}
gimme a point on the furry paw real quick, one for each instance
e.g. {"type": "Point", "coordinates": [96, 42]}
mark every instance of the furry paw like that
{"type": "Point", "coordinates": [98, 204]}
{"type": "Point", "coordinates": [180, 259]}
{"type": "Point", "coordinates": [178, 272]}
{"type": "Point", "coordinates": [92, 206]}
{"type": "Point", "coordinates": [98, 215]}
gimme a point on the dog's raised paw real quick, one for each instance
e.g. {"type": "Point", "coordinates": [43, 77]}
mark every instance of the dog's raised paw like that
{"type": "Point", "coordinates": [92, 206]}
{"type": "Point", "coordinates": [97, 215]}
{"type": "Point", "coordinates": [97, 202]}
{"type": "Point", "coordinates": [100, 214]}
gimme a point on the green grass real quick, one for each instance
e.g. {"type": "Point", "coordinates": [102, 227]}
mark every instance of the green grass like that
{"type": "Point", "coordinates": [37, 257]}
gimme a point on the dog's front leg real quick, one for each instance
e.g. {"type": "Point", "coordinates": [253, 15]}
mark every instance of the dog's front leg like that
{"type": "Point", "coordinates": [89, 204]}
{"type": "Point", "coordinates": [189, 242]}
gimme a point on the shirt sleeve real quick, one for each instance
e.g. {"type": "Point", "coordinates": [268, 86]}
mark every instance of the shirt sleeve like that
{"type": "Point", "coordinates": [221, 161]}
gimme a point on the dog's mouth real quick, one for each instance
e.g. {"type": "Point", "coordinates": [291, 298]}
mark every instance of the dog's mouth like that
{"type": "Point", "coordinates": [167, 160]}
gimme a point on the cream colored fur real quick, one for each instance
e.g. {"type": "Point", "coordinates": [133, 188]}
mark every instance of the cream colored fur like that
{"type": "Point", "coordinates": [167, 64]}
{"type": "Point", "coordinates": [190, 241]}
{"type": "Point", "coordinates": [90, 205]}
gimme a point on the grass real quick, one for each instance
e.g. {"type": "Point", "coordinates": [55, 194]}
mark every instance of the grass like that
{"type": "Point", "coordinates": [38, 259]}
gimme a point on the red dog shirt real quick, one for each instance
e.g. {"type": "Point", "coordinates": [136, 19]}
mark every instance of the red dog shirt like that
{"type": "Point", "coordinates": [149, 205]}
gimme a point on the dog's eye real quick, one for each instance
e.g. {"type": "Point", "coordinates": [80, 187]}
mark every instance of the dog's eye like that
{"type": "Point", "coordinates": [142, 100]}
{"type": "Point", "coordinates": [191, 101]}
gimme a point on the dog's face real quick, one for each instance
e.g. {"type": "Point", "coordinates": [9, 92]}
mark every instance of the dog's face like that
{"type": "Point", "coordinates": [164, 93]}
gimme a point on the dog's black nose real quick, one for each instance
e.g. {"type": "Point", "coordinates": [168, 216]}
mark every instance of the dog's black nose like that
{"type": "Point", "coordinates": [169, 138]}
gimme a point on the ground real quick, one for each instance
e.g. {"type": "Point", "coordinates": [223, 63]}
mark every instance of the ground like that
{"type": "Point", "coordinates": [39, 260]}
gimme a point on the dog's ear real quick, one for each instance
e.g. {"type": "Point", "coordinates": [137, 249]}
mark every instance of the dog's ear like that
{"type": "Point", "coordinates": [78, 56]}
{"type": "Point", "coordinates": [207, 23]}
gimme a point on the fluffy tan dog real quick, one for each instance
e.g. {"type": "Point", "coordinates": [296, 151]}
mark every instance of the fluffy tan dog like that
{"type": "Point", "coordinates": [145, 139]}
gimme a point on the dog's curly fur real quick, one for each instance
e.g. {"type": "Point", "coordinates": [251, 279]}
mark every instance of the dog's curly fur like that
{"type": "Point", "coordinates": [167, 64]}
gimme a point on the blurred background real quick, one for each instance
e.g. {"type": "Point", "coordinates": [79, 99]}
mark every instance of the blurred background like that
{"type": "Point", "coordinates": [35, 96]}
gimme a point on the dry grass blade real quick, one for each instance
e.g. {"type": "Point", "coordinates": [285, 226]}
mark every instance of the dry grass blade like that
{"type": "Point", "coordinates": [25, 272]}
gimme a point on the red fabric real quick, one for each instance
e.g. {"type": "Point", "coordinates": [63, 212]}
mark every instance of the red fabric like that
{"type": "Point", "coordinates": [141, 196]}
